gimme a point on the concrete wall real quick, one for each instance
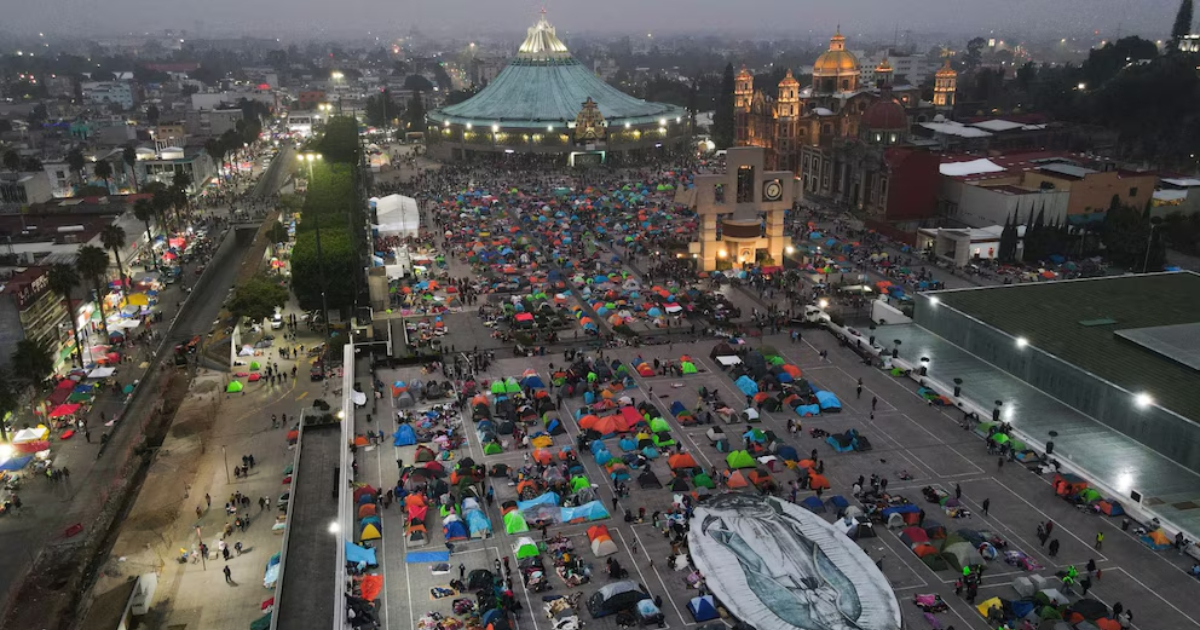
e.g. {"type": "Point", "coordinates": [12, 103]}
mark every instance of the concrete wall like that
{"type": "Point", "coordinates": [1094, 192]}
{"type": "Point", "coordinates": [1171, 435]}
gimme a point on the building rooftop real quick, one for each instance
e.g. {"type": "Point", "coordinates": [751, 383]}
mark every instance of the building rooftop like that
{"type": "Point", "coordinates": [1079, 321]}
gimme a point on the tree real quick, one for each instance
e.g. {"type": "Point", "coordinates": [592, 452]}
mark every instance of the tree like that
{"type": "Point", "coordinates": [257, 298]}
{"type": "Point", "coordinates": [112, 237]}
{"type": "Point", "coordinates": [76, 162]}
{"type": "Point", "coordinates": [181, 180]}
{"type": "Point", "coordinates": [723, 118]}
{"type": "Point", "coordinates": [32, 361]}
{"type": "Point", "coordinates": [1008, 240]}
{"type": "Point", "coordinates": [104, 171]}
{"type": "Point", "coordinates": [416, 113]}
{"type": "Point", "coordinates": [417, 83]}
{"type": "Point", "coordinates": [974, 56]}
{"type": "Point", "coordinates": [1183, 24]}
{"type": "Point", "coordinates": [143, 209]}
{"type": "Point", "coordinates": [129, 156]}
{"type": "Point", "coordinates": [161, 201]}
{"type": "Point", "coordinates": [381, 109]}
{"type": "Point", "coordinates": [12, 160]}
{"type": "Point", "coordinates": [458, 96]}
{"type": "Point", "coordinates": [152, 114]}
{"type": "Point", "coordinates": [63, 280]}
{"type": "Point", "coordinates": [8, 401]}
{"type": "Point", "coordinates": [92, 265]}
{"type": "Point", "coordinates": [38, 115]}
{"type": "Point", "coordinates": [277, 233]}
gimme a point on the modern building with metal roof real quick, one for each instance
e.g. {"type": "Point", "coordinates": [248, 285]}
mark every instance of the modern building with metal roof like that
{"type": "Point", "coordinates": [546, 101]}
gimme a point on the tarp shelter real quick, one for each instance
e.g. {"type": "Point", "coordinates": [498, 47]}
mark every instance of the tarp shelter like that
{"type": "Point", "coordinates": [602, 543]}
{"type": "Point", "coordinates": [525, 548]}
{"type": "Point", "coordinates": [397, 215]}
{"type": "Point", "coordinates": [702, 608]}
{"type": "Point", "coordinates": [356, 554]}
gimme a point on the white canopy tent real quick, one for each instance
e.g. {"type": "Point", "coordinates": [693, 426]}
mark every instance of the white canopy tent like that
{"type": "Point", "coordinates": [398, 216]}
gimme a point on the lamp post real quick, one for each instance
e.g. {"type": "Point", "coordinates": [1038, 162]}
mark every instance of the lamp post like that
{"type": "Point", "coordinates": [896, 348]}
{"type": "Point", "coordinates": [1154, 223]}
{"type": "Point", "coordinates": [996, 411]}
{"type": "Point", "coordinates": [924, 366]}
{"type": "Point", "coordinates": [309, 158]}
{"type": "Point", "coordinates": [957, 387]}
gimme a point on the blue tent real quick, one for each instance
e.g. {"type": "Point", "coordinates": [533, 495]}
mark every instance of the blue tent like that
{"type": "Point", "coordinates": [814, 505]}
{"type": "Point", "coordinates": [677, 408]}
{"type": "Point", "coordinates": [827, 400]}
{"type": "Point", "coordinates": [592, 511]}
{"type": "Point", "coordinates": [404, 436]}
{"type": "Point", "coordinates": [784, 377]}
{"type": "Point", "coordinates": [628, 444]}
{"type": "Point", "coordinates": [650, 452]}
{"type": "Point", "coordinates": [548, 498]}
{"type": "Point", "coordinates": [16, 463]}
{"type": "Point", "coordinates": [746, 385]}
{"type": "Point", "coordinates": [370, 520]}
{"type": "Point", "coordinates": [702, 608]}
{"type": "Point", "coordinates": [839, 502]}
{"type": "Point", "coordinates": [533, 381]}
{"type": "Point", "coordinates": [808, 410]}
{"type": "Point", "coordinates": [787, 453]}
{"type": "Point", "coordinates": [478, 523]}
{"type": "Point", "coordinates": [555, 427]}
{"type": "Point", "coordinates": [454, 529]}
{"type": "Point", "coordinates": [356, 554]}
{"type": "Point", "coordinates": [597, 446]}
{"type": "Point", "coordinates": [603, 457]}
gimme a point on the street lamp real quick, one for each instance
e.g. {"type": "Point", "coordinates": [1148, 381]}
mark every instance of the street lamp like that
{"type": "Point", "coordinates": [1154, 223]}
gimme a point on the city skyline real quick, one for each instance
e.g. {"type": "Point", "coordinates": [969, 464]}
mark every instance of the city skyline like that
{"type": "Point", "coordinates": [1032, 18]}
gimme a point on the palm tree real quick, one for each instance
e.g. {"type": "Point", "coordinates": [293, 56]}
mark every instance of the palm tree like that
{"type": "Point", "coordinates": [129, 156]}
{"type": "Point", "coordinates": [161, 202]}
{"type": "Point", "coordinates": [112, 237]}
{"type": "Point", "coordinates": [104, 171]}
{"type": "Point", "coordinates": [92, 264]}
{"type": "Point", "coordinates": [143, 209]}
{"type": "Point", "coordinates": [32, 361]}
{"type": "Point", "coordinates": [76, 162]}
{"type": "Point", "coordinates": [216, 153]}
{"type": "Point", "coordinates": [63, 280]}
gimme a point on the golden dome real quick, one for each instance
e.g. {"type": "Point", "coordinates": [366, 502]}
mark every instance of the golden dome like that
{"type": "Point", "coordinates": [884, 66]}
{"type": "Point", "coordinates": [837, 61]}
{"type": "Point", "coordinates": [789, 80]}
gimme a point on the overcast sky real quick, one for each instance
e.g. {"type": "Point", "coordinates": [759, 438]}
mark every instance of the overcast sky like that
{"type": "Point", "coordinates": [1150, 18]}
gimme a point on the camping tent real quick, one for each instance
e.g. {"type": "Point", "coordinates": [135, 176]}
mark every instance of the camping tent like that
{"type": "Point", "coordinates": [740, 459]}
{"type": "Point", "coordinates": [602, 542]}
{"type": "Point", "coordinates": [702, 608]}
{"type": "Point", "coordinates": [525, 548]}
{"type": "Point", "coordinates": [514, 522]}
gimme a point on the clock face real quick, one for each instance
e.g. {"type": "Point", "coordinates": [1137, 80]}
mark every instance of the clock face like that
{"type": "Point", "coordinates": [772, 190]}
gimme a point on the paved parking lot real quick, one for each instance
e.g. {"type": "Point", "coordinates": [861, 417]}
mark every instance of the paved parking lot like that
{"type": "Point", "coordinates": [910, 438]}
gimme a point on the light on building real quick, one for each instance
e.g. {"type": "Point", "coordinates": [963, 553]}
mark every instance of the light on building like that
{"type": "Point", "coordinates": [789, 250]}
{"type": "Point", "coordinates": [934, 300]}
{"type": "Point", "coordinates": [662, 122]}
{"type": "Point", "coordinates": [722, 254]}
{"type": "Point", "coordinates": [334, 527]}
{"type": "Point", "coordinates": [628, 125]}
{"type": "Point", "coordinates": [1081, 86]}
{"type": "Point", "coordinates": [468, 126]}
{"type": "Point", "coordinates": [1022, 342]}
{"type": "Point", "coordinates": [495, 128]}
{"type": "Point", "coordinates": [1143, 400]}
{"type": "Point", "coordinates": [549, 127]}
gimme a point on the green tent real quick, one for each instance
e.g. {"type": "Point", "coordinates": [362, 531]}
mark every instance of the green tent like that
{"type": "Point", "coordinates": [1000, 438]}
{"type": "Point", "coordinates": [79, 397]}
{"type": "Point", "coordinates": [234, 387]}
{"type": "Point", "coordinates": [592, 377]}
{"type": "Point", "coordinates": [498, 387]}
{"type": "Point", "coordinates": [897, 371]}
{"type": "Point", "coordinates": [775, 360]}
{"type": "Point", "coordinates": [663, 440]}
{"type": "Point", "coordinates": [511, 386]}
{"type": "Point", "coordinates": [703, 481]}
{"type": "Point", "coordinates": [579, 482]}
{"type": "Point", "coordinates": [688, 367]}
{"type": "Point", "coordinates": [492, 448]}
{"type": "Point", "coordinates": [658, 425]}
{"type": "Point", "coordinates": [255, 366]}
{"type": "Point", "coordinates": [525, 548]}
{"type": "Point", "coordinates": [740, 459]}
{"type": "Point", "coordinates": [262, 623]}
{"type": "Point", "coordinates": [514, 522]}
{"type": "Point", "coordinates": [1090, 495]}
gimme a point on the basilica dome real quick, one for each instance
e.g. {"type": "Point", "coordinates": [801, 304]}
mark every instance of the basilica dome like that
{"type": "Point", "coordinates": [837, 61]}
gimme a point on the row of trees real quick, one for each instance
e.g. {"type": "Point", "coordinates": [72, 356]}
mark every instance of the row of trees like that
{"type": "Point", "coordinates": [332, 204]}
{"type": "Point", "coordinates": [382, 110]}
{"type": "Point", "coordinates": [1127, 237]}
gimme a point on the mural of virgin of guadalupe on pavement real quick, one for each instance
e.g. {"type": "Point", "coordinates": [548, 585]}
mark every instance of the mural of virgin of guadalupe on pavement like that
{"type": "Point", "coordinates": [777, 566]}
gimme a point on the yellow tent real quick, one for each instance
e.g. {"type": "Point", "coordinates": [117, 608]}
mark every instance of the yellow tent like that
{"type": "Point", "coordinates": [370, 533]}
{"type": "Point", "coordinates": [988, 605]}
{"type": "Point", "coordinates": [137, 299]}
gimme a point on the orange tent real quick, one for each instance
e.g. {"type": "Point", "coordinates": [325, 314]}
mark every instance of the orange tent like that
{"type": "Point", "coordinates": [792, 370]}
{"type": "Point", "coordinates": [737, 480]}
{"type": "Point", "coordinates": [681, 460]}
{"type": "Point", "coordinates": [360, 440]}
{"type": "Point", "coordinates": [1105, 623]}
{"type": "Point", "coordinates": [372, 585]}
{"type": "Point", "coordinates": [542, 456]}
{"type": "Point", "coordinates": [414, 499]}
{"type": "Point", "coordinates": [366, 509]}
{"type": "Point", "coordinates": [588, 421]}
{"type": "Point", "coordinates": [818, 482]}
{"type": "Point", "coordinates": [807, 463]}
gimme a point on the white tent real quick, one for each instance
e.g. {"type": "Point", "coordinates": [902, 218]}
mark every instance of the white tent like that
{"type": "Point", "coordinates": [397, 215]}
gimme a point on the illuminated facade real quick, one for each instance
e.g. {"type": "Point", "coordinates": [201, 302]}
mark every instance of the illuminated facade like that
{"type": "Point", "coordinates": [742, 213]}
{"type": "Point", "coordinates": [537, 104]}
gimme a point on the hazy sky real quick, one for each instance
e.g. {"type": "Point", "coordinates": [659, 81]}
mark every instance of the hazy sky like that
{"type": "Point", "coordinates": [1151, 18]}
